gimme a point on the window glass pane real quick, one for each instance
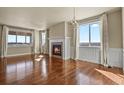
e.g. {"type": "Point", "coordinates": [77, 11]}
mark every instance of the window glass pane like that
{"type": "Point", "coordinates": [28, 39]}
{"type": "Point", "coordinates": [20, 39]}
{"type": "Point", "coordinates": [84, 35]}
{"type": "Point", "coordinates": [43, 35]}
{"type": "Point", "coordinates": [43, 38]}
{"type": "Point", "coordinates": [95, 34]}
{"type": "Point", "coordinates": [11, 38]}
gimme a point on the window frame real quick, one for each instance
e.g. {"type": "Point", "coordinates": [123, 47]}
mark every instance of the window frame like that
{"type": "Point", "coordinates": [43, 39]}
{"type": "Point", "coordinates": [89, 44]}
{"type": "Point", "coordinates": [18, 34]}
{"type": "Point", "coordinates": [26, 40]}
{"type": "Point", "coordinates": [12, 42]}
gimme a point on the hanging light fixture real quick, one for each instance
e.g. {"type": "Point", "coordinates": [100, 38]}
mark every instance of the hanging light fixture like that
{"type": "Point", "coordinates": [74, 21]}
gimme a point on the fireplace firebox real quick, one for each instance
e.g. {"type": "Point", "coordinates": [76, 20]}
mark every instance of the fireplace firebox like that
{"type": "Point", "coordinates": [57, 49]}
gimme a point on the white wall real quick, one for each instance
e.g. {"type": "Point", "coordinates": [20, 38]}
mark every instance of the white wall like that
{"type": "Point", "coordinates": [37, 49]}
{"type": "Point", "coordinates": [115, 29]}
{"type": "Point", "coordinates": [57, 30]}
{"type": "Point", "coordinates": [67, 48]}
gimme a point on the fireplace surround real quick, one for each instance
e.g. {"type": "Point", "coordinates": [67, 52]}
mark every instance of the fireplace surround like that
{"type": "Point", "coordinates": [61, 45]}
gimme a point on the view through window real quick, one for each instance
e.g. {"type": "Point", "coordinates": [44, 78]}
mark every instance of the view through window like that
{"type": "Point", "coordinates": [90, 34]}
{"type": "Point", "coordinates": [19, 38]}
{"type": "Point", "coordinates": [43, 35]}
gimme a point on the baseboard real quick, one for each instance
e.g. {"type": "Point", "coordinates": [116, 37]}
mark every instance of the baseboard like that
{"type": "Point", "coordinates": [88, 61]}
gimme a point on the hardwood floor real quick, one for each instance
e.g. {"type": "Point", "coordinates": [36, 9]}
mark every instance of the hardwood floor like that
{"type": "Point", "coordinates": [44, 70]}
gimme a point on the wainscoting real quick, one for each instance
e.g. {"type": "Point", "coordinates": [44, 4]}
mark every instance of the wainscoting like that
{"type": "Point", "coordinates": [123, 60]}
{"type": "Point", "coordinates": [115, 57]}
{"type": "Point", "coordinates": [18, 50]}
{"type": "Point", "coordinates": [92, 54]}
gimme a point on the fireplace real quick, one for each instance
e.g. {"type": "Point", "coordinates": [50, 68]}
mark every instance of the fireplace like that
{"type": "Point", "coordinates": [57, 49]}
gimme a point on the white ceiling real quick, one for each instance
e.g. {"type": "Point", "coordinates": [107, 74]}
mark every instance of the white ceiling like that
{"type": "Point", "coordinates": [42, 17]}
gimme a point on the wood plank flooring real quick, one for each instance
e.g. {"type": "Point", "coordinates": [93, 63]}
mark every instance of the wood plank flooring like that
{"type": "Point", "coordinates": [45, 70]}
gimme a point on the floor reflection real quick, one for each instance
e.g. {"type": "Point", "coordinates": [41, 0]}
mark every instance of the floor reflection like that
{"type": "Point", "coordinates": [42, 69]}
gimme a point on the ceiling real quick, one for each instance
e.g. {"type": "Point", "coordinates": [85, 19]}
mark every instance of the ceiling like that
{"type": "Point", "coordinates": [43, 17]}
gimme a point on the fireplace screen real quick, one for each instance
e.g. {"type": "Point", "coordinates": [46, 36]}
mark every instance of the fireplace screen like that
{"type": "Point", "coordinates": [57, 49]}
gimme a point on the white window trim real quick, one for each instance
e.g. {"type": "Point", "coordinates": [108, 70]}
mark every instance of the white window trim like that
{"type": "Point", "coordinates": [89, 43]}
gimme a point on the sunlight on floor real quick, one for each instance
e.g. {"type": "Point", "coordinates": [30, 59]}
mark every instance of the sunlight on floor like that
{"type": "Point", "coordinates": [121, 75]}
{"type": "Point", "coordinates": [117, 78]}
{"type": "Point", "coordinates": [39, 58]}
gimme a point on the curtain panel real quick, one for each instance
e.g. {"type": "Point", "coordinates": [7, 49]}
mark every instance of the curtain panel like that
{"type": "Point", "coordinates": [104, 40]}
{"type": "Point", "coordinates": [4, 38]}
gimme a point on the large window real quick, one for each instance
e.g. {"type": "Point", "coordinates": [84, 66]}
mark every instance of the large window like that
{"type": "Point", "coordinates": [43, 35]}
{"type": "Point", "coordinates": [28, 39]}
{"type": "Point", "coordinates": [19, 38]}
{"type": "Point", "coordinates": [90, 34]}
{"type": "Point", "coordinates": [12, 39]}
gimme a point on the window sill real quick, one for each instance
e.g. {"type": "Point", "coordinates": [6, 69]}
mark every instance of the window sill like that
{"type": "Point", "coordinates": [89, 46]}
{"type": "Point", "coordinates": [19, 45]}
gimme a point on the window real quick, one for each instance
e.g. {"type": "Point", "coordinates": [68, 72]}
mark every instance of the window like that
{"type": "Point", "coordinates": [43, 35]}
{"type": "Point", "coordinates": [28, 39]}
{"type": "Point", "coordinates": [95, 35]}
{"type": "Point", "coordinates": [11, 38]}
{"type": "Point", "coordinates": [19, 37]}
{"type": "Point", "coordinates": [84, 35]}
{"type": "Point", "coordinates": [90, 34]}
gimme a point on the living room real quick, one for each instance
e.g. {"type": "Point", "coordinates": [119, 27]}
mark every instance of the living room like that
{"type": "Point", "coordinates": [83, 39]}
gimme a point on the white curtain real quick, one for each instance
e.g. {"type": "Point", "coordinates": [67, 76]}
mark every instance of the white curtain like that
{"type": "Point", "coordinates": [47, 41]}
{"type": "Point", "coordinates": [40, 50]}
{"type": "Point", "coordinates": [76, 41]}
{"type": "Point", "coordinates": [43, 48]}
{"type": "Point", "coordinates": [4, 41]}
{"type": "Point", "coordinates": [104, 40]}
{"type": "Point", "coordinates": [33, 42]}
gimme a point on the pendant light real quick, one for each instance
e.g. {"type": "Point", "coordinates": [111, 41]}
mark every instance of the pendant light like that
{"type": "Point", "coordinates": [74, 21]}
